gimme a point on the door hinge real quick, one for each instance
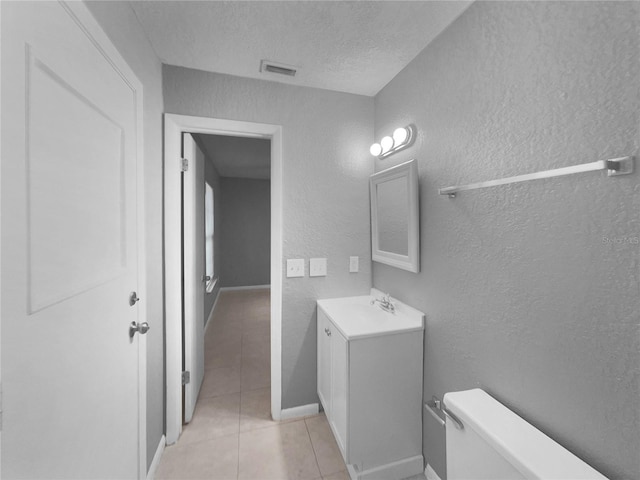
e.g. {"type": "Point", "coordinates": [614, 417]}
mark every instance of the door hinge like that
{"type": "Point", "coordinates": [186, 377]}
{"type": "Point", "coordinates": [184, 166]}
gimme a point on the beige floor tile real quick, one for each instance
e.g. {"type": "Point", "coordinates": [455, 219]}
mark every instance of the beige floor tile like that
{"type": "Point", "coordinates": [255, 316]}
{"type": "Point", "coordinates": [220, 381]}
{"type": "Point", "coordinates": [212, 459]}
{"type": "Point", "coordinates": [258, 329]}
{"type": "Point", "coordinates": [257, 309]}
{"type": "Point", "coordinates": [236, 297]}
{"type": "Point", "coordinates": [256, 337]}
{"type": "Point", "coordinates": [324, 445]}
{"type": "Point", "coordinates": [255, 374]}
{"type": "Point", "coordinates": [256, 346]}
{"type": "Point", "coordinates": [223, 306]}
{"type": "Point", "coordinates": [214, 417]}
{"type": "Point", "coordinates": [279, 452]}
{"type": "Point", "coordinates": [344, 475]}
{"type": "Point", "coordinates": [223, 351]}
{"type": "Point", "coordinates": [228, 303]}
{"type": "Point", "coordinates": [227, 315]}
{"type": "Point", "coordinates": [255, 409]}
{"type": "Point", "coordinates": [229, 325]}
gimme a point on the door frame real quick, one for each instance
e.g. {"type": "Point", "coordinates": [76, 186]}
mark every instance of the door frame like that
{"type": "Point", "coordinates": [80, 14]}
{"type": "Point", "coordinates": [174, 126]}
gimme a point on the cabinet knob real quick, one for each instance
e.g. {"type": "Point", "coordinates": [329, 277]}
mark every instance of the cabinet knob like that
{"type": "Point", "coordinates": [327, 331]}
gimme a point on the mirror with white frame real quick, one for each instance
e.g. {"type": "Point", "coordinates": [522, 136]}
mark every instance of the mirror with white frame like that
{"type": "Point", "coordinates": [394, 216]}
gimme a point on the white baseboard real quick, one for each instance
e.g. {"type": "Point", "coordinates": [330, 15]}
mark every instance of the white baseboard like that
{"type": "Point", "coordinates": [405, 468]}
{"type": "Point", "coordinates": [430, 473]}
{"type": "Point", "coordinates": [248, 287]}
{"type": "Point", "coordinates": [156, 459]}
{"type": "Point", "coordinates": [301, 411]}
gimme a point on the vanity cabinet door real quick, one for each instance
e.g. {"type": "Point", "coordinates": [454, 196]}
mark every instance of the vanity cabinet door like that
{"type": "Point", "coordinates": [324, 362]}
{"type": "Point", "coordinates": [339, 389]}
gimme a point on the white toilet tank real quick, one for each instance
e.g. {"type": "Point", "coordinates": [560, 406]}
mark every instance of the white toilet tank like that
{"type": "Point", "coordinates": [495, 444]}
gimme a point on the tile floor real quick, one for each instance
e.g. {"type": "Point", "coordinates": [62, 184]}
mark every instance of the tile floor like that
{"type": "Point", "coordinates": [231, 435]}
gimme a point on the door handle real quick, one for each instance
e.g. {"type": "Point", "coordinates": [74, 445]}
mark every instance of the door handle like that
{"type": "Point", "coordinates": [328, 332]}
{"type": "Point", "coordinates": [141, 328]}
{"type": "Point", "coordinates": [205, 278]}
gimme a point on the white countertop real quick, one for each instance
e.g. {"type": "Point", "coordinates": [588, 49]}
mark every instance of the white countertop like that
{"type": "Point", "coordinates": [355, 317]}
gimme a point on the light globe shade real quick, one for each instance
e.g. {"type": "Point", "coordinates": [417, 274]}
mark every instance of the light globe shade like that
{"type": "Point", "coordinates": [386, 143]}
{"type": "Point", "coordinates": [375, 149]}
{"type": "Point", "coordinates": [400, 135]}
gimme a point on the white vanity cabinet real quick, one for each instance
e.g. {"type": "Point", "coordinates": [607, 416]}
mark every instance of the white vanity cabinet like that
{"type": "Point", "coordinates": [370, 385]}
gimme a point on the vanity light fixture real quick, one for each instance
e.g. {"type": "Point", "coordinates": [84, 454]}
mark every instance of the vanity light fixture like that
{"type": "Point", "coordinates": [375, 149]}
{"type": "Point", "coordinates": [387, 144]}
{"type": "Point", "coordinates": [403, 137]}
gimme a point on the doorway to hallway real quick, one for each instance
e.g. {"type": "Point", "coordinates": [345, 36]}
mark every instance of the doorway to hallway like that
{"type": "Point", "coordinates": [175, 125]}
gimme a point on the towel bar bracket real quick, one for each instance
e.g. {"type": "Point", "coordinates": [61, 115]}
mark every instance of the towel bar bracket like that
{"type": "Point", "coordinates": [620, 166]}
{"type": "Point", "coordinates": [435, 404]}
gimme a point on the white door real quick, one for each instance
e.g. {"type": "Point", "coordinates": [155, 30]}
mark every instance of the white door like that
{"type": "Point", "coordinates": [194, 266]}
{"type": "Point", "coordinates": [70, 156]}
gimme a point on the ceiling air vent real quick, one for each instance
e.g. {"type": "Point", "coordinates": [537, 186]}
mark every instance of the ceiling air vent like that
{"type": "Point", "coordinates": [277, 68]}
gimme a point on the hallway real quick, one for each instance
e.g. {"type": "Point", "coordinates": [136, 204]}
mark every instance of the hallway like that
{"type": "Point", "coordinates": [231, 435]}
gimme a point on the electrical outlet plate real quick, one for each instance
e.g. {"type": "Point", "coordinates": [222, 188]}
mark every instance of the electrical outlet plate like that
{"type": "Point", "coordinates": [318, 267]}
{"type": "Point", "coordinates": [354, 264]}
{"type": "Point", "coordinates": [295, 267]}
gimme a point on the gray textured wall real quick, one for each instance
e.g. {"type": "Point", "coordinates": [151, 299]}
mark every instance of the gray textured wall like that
{"type": "Point", "coordinates": [121, 25]}
{"type": "Point", "coordinates": [326, 138]}
{"type": "Point", "coordinates": [246, 232]}
{"type": "Point", "coordinates": [530, 290]}
{"type": "Point", "coordinates": [213, 178]}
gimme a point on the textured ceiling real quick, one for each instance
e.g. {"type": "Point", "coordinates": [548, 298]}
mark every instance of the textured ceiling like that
{"type": "Point", "coordinates": [237, 156]}
{"type": "Point", "coordinates": [347, 46]}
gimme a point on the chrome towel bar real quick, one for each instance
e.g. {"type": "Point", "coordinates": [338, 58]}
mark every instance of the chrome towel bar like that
{"type": "Point", "coordinates": [614, 167]}
{"type": "Point", "coordinates": [435, 404]}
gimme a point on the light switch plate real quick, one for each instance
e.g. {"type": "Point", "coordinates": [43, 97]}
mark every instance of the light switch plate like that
{"type": "Point", "coordinates": [354, 264]}
{"type": "Point", "coordinates": [295, 267]}
{"type": "Point", "coordinates": [318, 267]}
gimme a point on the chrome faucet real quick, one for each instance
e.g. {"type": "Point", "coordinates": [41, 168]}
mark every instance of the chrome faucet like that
{"type": "Point", "coordinates": [385, 303]}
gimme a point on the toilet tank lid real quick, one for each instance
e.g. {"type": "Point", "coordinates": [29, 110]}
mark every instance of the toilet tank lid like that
{"type": "Point", "coordinates": [529, 450]}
